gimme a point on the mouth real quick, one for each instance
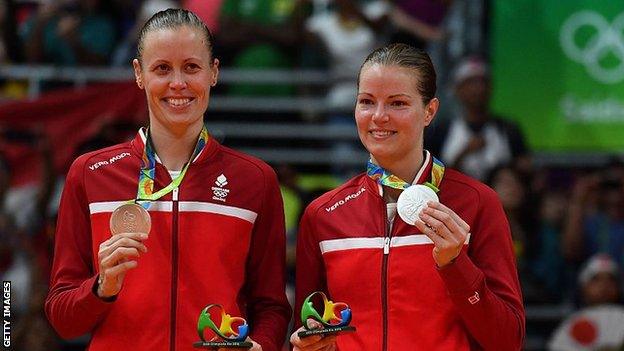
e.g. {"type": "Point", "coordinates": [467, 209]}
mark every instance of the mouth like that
{"type": "Point", "coordinates": [178, 102]}
{"type": "Point", "coordinates": [381, 134]}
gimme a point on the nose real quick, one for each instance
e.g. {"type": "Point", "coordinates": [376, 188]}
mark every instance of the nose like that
{"type": "Point", "coordinates": [178, 81]}
{"type": "Point", "coordinates": [379, 114]}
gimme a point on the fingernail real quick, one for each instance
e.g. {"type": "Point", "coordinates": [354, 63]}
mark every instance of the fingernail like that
{"type": "Point", "coordinates": [143, 236]}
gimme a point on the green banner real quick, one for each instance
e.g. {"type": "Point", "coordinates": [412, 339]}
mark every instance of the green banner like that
{"type": "Point", "coordinates": [558, 70]}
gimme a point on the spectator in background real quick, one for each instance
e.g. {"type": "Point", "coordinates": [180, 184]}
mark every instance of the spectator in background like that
{"type": "Point", "coordinates": [599, 325]}
{"type": "Point", "coordinates": [16, 263]}
{"type": "Point", "coordinates": [68, 33]}
{"type": "Point", "coordinates": [600, 282]}
{"type": "Point", "coordinates": [10, 50]}
{"type": "Point", "coordinates": [418, 22]}
{"type": "Point", "coordinates": [346, 34]}
{"type": "Point", "coordinates": [260, 34]}
{"type": "Point", "coordinates": [23, 250]}
{"type": "Point", "coordinates": [207, 10]}
{"type": "Point", "coordinates": [3, 27]}
{"type": "Point", "coordinates": [514, 196]}
{"type": "Point", "coordinates": [477, 141]}
{"type": "Point", "coordinates": [33, 332]}
{"type": "Point", "coordinates": [548, 266]}
{"type": "Point", "coordinates": [596, 216]}
{"type": "Point", "coordinates": [127, 48]}
{"type": "Point", "coordinates": [8, 40]}
{"type": "Point", "coordinates": [125, 14]}
{"type": "Point", "coordinates": [293, 197]}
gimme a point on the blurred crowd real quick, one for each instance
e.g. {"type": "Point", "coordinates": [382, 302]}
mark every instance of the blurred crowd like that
{"type": "Point", "coordinates": [249, 34]}
{"type": "Point", "coordinates": [567, 223]}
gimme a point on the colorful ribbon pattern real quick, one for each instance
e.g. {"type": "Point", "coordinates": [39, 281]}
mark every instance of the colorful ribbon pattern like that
{"type": "Point", "coordinates": [335, 314]}
{"type": "Point", "coordinates": [147, 174]}
{"type": "Point", "coordinates": [225, 330]}
{"type": "Point", "coordinates": [386, 178]}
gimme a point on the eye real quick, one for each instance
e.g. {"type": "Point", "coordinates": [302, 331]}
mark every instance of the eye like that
{"type": "Point", "coordinates": [365, 101]}
{"type": "Point", "coordinates": [192, 67]}
{"type": "Point", "coordinates": [162, 68]}
{"type": "Point", "coordinates": [398, 103]}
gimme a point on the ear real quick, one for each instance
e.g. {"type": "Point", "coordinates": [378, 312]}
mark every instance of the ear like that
{"type": "Point", "coordinates": [430, 110]}
{"type": "Point", "coordinates": [215, 72]}
{"type": "Point", "coordinates": [138, 73]}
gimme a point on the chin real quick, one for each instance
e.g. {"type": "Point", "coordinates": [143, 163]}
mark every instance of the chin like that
{"type": "Point", "coordinates": [381, 152]}
{"type": "Point", "coordinates": [183, 117]}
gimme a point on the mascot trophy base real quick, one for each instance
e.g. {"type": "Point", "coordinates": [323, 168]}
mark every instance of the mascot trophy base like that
{"type": "Point", "coordinates": [326, 331]}
{"type": "Point", "coordinates": [214, 345]}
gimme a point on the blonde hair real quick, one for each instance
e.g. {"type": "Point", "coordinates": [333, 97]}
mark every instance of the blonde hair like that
{"type": "Point", "coordinates": [406, 56]}
{"type": "Point", "coordinates": [170, 19]}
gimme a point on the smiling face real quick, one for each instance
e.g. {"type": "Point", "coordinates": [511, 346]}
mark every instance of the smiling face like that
{"type": "Point", "coordinates": [177, 71]}
{"type": "Point", "coordinates": [390, 113]}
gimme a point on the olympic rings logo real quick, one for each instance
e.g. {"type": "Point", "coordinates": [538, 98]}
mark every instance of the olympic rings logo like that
{"type": "Point", "coordinates": [606, 39]}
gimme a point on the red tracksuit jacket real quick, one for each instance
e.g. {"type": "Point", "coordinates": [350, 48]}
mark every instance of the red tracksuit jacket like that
{"type": "Point", "coordinates": [399, 299]}
{"type": "Point", "coordinates": [218, 238]}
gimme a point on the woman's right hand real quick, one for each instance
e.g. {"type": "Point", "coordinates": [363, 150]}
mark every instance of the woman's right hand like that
{"type": "Point", "coordinates": [115, 258]}
{"type": "Point", "coordinates": [314, 342]}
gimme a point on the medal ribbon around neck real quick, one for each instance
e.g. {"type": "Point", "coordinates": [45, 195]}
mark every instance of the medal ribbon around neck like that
{"type": "Point", "coordinates": [147, 173]}
{"type": "Point", "coordinates": [386, 178]}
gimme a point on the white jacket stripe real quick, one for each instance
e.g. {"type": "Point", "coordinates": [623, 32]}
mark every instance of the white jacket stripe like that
{"type": "Point", "coordinates": [375, 243]}
{"type": "Point", "coordinates": [184, 206]}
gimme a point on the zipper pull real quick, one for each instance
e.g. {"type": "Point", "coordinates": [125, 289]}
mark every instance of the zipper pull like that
{"type": "Point", "coordinates": [174, 195]}
{"type": "Point", "coordinates": [386, 245]}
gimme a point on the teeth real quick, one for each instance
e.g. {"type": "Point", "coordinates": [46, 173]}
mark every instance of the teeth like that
{"type": "Point", "coordinates": [178, 102]}
{"type": "Point", "coordinates": [380, 133]}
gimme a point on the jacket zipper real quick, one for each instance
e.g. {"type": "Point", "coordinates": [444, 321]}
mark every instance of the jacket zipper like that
{"type": "Point", "coordinates": [174, 269]}
{"type": "Point", "coordinates": [384, 279]}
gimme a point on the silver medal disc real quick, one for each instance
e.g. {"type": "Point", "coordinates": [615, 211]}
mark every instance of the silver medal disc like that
{"type": "Point", "coordinates": [413, 200]}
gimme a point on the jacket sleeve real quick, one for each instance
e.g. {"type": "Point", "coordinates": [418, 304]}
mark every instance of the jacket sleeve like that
{"type": "Point", "coordinates": [310, 276]}
{"type": "Point", "coordinates": [71, 306]}
{"type": "Point", "coordinates": [267, 307]}
{"type": "Point", "coordinates": [483, 283]}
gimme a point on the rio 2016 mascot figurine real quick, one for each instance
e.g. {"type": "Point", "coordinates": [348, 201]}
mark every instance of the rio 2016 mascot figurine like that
{"type": "Point", "coordinates": [225, 334]}
{"type": "Point", "coordinates": [335, 317]}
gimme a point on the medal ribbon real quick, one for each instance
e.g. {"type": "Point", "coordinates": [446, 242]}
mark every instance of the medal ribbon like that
{"type": "Point", "coordinates": [386, 178]}
{"type": "Point", "coordinates": [147, 173]}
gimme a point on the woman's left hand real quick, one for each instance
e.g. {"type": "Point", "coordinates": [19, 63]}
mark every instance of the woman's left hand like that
{"type": "Point", "coordinates": [446, 229]}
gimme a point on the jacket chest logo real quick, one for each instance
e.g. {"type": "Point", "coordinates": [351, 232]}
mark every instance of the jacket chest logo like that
{"type": "Point", "coordinates": [220, 192]}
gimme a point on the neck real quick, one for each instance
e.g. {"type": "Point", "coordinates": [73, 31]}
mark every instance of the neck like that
{"type": "Point", "coordinates": [404, 168]}
{"type": "Point", "coordinates": [174, 146]}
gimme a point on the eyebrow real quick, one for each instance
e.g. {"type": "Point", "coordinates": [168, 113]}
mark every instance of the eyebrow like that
{"type": "Point", "coordinates": [391, 96]}
{"type": "Point", "coordinates": [162, 60]}
{"type": "Point", "coordinates": [400, 95]}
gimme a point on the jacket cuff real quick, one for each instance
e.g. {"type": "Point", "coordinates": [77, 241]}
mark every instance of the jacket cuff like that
{"type": "Point", "coordinates": [461, 277]}
{"type": "Point", "coordinates": [92, 302]}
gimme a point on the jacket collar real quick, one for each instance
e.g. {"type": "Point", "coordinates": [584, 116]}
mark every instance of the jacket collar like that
{"type": "Point", "coordinates": [209, 150]}
{"type": "Point", "coordinates": [422, 175]}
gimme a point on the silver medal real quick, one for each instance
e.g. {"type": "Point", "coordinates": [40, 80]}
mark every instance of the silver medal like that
{"type": "Point", "coordinates": [413, 200]}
